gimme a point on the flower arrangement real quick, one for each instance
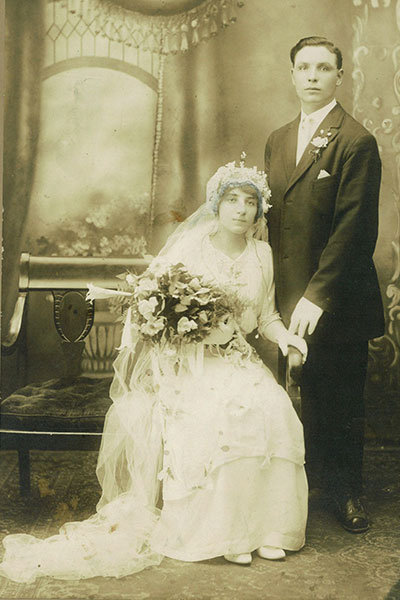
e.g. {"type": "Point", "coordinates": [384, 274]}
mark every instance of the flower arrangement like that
{"type": "Point", "coordinates": [167, 304]}
{"type": "Point", "coordinates": [319, 142]}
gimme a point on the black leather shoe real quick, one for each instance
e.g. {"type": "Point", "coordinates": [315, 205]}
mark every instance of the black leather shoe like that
{"type": "Point", "coordinates": [352, 514]}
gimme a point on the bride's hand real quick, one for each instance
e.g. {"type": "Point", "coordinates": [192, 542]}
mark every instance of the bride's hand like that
{"type": "Point", "coordinates": [223, 333]}
{"type": "Point", "coordinates": [289, 339]}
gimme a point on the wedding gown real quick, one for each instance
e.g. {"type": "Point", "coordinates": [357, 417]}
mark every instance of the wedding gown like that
{"type": "Point", "coordinates": [220, 434]}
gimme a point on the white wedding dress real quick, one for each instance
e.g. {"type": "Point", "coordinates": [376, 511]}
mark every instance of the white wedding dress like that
{"type": "Point", "coordinates": [220, 434]}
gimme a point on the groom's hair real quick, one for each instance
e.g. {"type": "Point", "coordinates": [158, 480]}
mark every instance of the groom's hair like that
{"type": "Point", "coordinates": [315, 40]}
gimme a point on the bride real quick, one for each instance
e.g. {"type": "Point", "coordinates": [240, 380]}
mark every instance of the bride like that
{"type": "Point", "coordinates": [209, 424]}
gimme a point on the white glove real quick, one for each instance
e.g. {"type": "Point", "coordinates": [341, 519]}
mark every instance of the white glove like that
{"type": "Point", "coordinates": [223, 333]}
{"type": "Point", "coordinates": [288, 339]}
{"type": "Point", "coordinates": [305, 316]}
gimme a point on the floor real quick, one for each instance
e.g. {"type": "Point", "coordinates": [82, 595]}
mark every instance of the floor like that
{"type": "Point", "coordinates": [334, 565]}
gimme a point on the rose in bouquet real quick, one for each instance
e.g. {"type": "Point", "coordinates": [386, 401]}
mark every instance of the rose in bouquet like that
{"type": "Point", "coordinates": [169, 304]}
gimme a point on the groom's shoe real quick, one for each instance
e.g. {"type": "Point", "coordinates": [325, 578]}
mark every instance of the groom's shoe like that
{"type": "Point", "coordinates": [352, 514]}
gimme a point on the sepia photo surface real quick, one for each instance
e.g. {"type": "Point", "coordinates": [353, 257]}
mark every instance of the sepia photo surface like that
{"type": "Point", "coordinates": [117, 114]}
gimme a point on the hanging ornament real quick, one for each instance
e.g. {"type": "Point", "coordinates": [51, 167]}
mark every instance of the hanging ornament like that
{"type": "Point", "coordinates": [162, 31]}
{"type": "Point", "coordinates": [213, 20]}
{"type": "Point", "coordinates": [205, 31]}
{"type": "Point", "coordinates": [213, 27]}
{"type": "Point", "coordinates": [231, 13]}
{"type": "Point", "coordinates": [195, 35]}
{"type": "Point", "coordinates": [184, 38]}
{"type": "Point", "coordinates": [174, 43]}
{"type": "Point", "coordinates": [224, 15]}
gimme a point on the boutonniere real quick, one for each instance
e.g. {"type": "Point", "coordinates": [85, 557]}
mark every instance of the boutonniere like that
{"type": "Point", "coordinates": [320, 142]}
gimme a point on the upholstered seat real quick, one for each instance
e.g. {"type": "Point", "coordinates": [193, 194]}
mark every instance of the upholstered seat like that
{"type": "Point", "coordinates": [57, 414]}
{"type": "Point", "coordinates": [78, 405]}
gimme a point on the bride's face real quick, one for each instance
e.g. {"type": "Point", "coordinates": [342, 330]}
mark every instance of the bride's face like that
{"type": "Point", "coordinates": [238, 209]}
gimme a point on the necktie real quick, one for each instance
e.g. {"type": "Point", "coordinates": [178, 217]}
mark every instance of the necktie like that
{"type": "Point", "coordinates": [306, 130]}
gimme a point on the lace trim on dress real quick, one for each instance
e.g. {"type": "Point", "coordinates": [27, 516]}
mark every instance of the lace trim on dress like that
{"type": "Point", "coordinates": [230, 272]}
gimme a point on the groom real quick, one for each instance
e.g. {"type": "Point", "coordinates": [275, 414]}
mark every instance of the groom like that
{"type": "Point", "coordinates": [324, 171]}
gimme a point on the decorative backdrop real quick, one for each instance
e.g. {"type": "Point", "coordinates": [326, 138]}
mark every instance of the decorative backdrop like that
{"type": "Point", "coordinates": [376, 76]}
{"type": "Point", "coordinates": [89, 44]}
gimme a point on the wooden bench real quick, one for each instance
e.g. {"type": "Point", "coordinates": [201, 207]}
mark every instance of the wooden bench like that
{"type": "Point", "coordinates": [67, 413]}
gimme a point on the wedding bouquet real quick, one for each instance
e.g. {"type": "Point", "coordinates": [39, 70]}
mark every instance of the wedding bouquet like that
{"type": "Point", "coordinates": [168, 304]}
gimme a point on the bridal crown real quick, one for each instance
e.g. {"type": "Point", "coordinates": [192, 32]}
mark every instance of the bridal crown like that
{"type": "Point", "coordinates": [233, 175]}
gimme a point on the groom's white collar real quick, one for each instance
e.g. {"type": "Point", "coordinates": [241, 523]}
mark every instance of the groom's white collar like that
{"type": "Point", "coordinates": [319, 115]}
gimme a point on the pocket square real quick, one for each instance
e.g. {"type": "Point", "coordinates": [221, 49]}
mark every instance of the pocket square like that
{"type": "Point", "coordinates": [323, 174]}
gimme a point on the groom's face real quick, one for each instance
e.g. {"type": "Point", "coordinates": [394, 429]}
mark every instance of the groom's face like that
{"type": "Point", "coordinates": [315, 76]}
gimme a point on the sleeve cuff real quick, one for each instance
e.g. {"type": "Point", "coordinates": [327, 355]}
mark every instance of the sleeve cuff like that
{"type": "Point", "coordinates": [275, 316]}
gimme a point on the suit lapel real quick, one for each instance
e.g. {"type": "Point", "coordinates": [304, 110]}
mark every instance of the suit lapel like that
{"type": "Point", "coordinates": [290, 147]}
{"type": "Point", "coordinates": [331, 123]}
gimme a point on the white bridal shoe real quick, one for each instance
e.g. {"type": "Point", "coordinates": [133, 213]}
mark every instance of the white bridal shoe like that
{"type": "Point", "coordinates": [239, 559]}
{"type": "Point", "coordinates": [271, 553]}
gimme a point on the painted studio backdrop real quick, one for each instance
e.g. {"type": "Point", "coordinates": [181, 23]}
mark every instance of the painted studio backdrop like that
{"type": "Point", "coordinates": [117, 112]}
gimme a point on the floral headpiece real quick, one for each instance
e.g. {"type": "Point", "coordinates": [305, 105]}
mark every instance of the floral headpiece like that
{"type": "Point", "coordinates": [231, 175]}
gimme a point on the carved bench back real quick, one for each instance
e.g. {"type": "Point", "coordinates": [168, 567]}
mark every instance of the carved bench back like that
{"type": "Point", "coordinates": [67, 278]}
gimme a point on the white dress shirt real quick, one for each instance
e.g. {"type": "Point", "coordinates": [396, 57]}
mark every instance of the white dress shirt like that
{"type": "Point", "coordinates": [309, 124]}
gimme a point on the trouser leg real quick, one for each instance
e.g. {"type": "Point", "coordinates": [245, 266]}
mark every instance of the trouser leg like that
{"type": "Point", "coordinates": [333, 414]}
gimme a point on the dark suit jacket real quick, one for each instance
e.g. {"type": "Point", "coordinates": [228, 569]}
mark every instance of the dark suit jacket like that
{"type": "Point", "coordinates": [323, 231]}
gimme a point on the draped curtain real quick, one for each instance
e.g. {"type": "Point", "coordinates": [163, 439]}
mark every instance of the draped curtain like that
{"type": "Point", "coordinates": [24, 42]}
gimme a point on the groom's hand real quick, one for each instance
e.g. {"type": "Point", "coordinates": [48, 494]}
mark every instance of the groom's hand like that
{"type": "Point", "coordinates": [305, 317]}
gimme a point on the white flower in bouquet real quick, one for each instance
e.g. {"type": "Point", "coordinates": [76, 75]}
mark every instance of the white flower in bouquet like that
{"type": "Point", "coordinates": [152, 327]}
{"type": "Point", "coordinates": [195, 284]}
{"type": "Point", "coordinates": [183, 304]}
{"type": "Point", "coordinates": [185, 325]}
{"type": "Point", "coordinates": [204, 296]}
{"type": "Point", "coordinates": [203, 317]}
{"type": "Point", "coordinates": [131, 279]}
{"type": "Point", "coordinates": [145, 285]}
{"type": "Point", "coordinates": [176, 288]}
{"type": "Point", "coordinates": [147, 307]}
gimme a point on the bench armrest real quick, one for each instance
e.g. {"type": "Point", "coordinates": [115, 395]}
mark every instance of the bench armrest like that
{"type": "Point", "coordinates": [294, 366]}
{"type": "Point", "coordinates": [14, 327]}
